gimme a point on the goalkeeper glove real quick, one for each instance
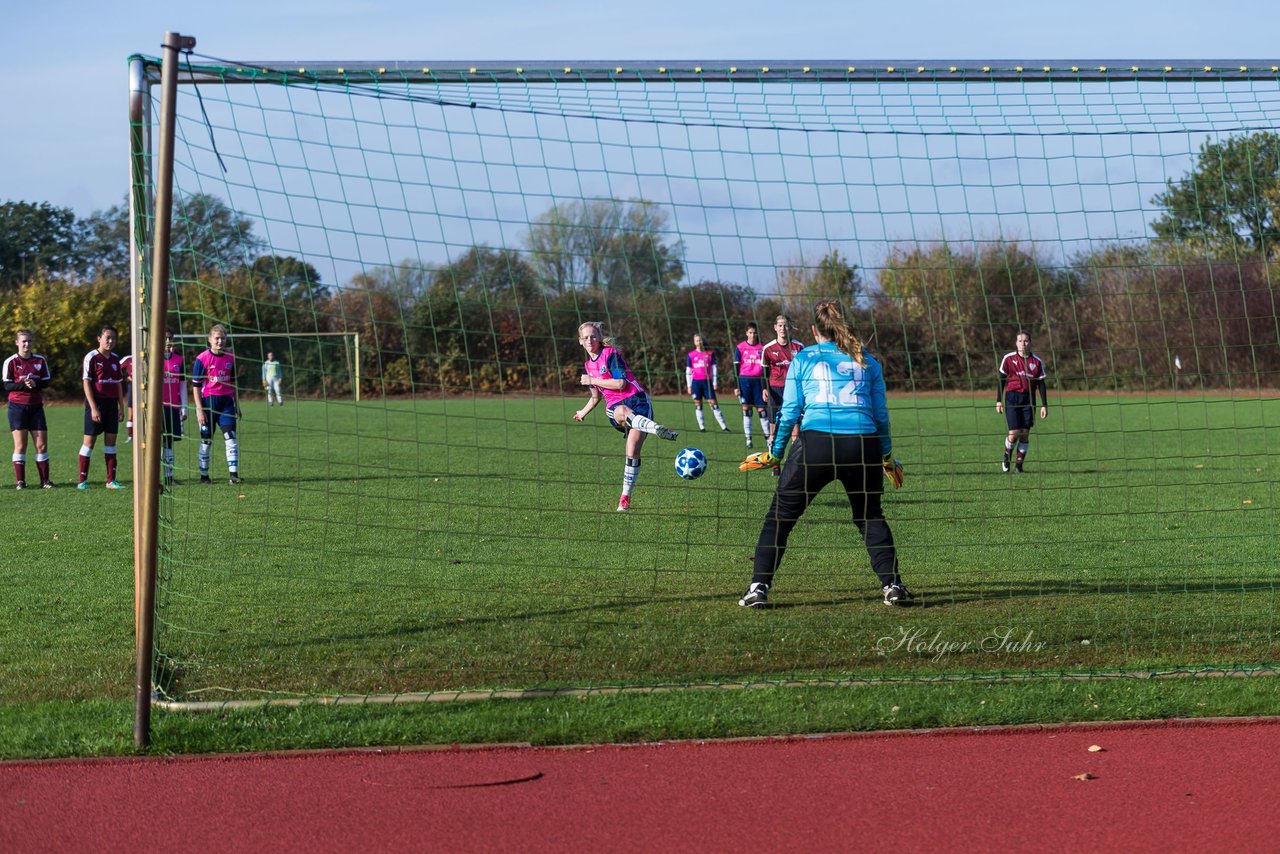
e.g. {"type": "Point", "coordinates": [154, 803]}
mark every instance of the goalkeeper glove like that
{"type": "Point", "coordinates": [893, 471]}
{"type": "Point", "coordinates": [759, 460]}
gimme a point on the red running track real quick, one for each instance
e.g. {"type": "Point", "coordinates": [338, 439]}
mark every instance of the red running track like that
{"type": "Point", "coordinates": [1182, 786]}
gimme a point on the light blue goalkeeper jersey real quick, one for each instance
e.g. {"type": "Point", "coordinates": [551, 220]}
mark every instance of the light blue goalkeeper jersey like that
{"type": "Point", "coordinates": [270, 371]}
{"type": "Point", "coordinates": [827, 390]}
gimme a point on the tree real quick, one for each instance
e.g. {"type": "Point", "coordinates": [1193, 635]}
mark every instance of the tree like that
{"type": "Point", "coordinates": [800, 286]}
{"type": "Point", "coordinates": [34, 238]}
{"type": "Point", "coordinates": [209, 235]}
{"type": "Point", "coordinates": [104, 246]}
{"type": "Point", "coordinates": [1227, 205]}
{"type": "Point", "coordinates": [608, 244]}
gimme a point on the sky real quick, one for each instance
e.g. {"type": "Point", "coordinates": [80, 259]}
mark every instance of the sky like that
{"type": "Point", "coordinates": [64, 79]}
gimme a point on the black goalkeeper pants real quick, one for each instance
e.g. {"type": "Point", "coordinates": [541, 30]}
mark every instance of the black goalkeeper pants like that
{"type": "Point", "coordinates": [816, 460]}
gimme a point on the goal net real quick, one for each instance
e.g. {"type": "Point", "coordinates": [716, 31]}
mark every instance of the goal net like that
{"type": "Point", "coordinates": [455, 530]}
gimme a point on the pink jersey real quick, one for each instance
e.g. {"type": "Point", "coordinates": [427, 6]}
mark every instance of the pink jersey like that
{"type": "Point", "coordinates": [608, 364]}
{"type": "Point", "coordinates": [214, 375]}
{"type": "Point", "coordinates": [700, 361]}
{"type": "Point", "coordinates": [173, 371]}
{"type": "Point", "coordinates": [750, 359]}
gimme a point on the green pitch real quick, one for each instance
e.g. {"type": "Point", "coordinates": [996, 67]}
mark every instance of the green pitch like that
{"type": "Point", "coordinates": [473, 545]}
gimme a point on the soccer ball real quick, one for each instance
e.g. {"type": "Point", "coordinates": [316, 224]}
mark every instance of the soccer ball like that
{"type": "Point", "coordinates": [691, 463]}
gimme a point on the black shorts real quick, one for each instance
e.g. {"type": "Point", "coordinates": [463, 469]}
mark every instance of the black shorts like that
{"type": "Point", "coordinates": [1019, 413]}
{"type": "Point", "coordinates": [774, 403]}
{"type": "Point", "coordinates": [109, 409]}
{"type": "Point", "coordinates": [172, 422]}
{"type": "Point", "coordinates": [27, 416]}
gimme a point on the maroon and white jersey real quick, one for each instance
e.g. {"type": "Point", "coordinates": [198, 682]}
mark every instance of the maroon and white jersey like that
{"type": "Point", "coordinates": [1021, 372]}
{"type": "Point", "coordinates": [18, 369]}
{"type": "Point", "coordinates": [104, 373]}
{"type": "Point", "coordinates": [776, 359]}
{"type": "Point", "coordinates": [126, 368]}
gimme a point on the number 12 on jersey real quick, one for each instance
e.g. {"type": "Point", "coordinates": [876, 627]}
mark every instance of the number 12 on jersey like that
{"type": "Point", "coordinates": [848, 392]}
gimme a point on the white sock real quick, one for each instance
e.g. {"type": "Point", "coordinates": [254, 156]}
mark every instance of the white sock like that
{"type": "Point", "coordinates": [233, 455]}
{"type": "Point", "coordinates": [643, 424]}
{"type": "Point", "coordinates": [764, 424]}
{"type": "Point", "coordinates": [746, 426]}
{"type": "Point", "coordinates": [204, 458]}
{"type": "Point", "coordinates": [715, 410]}
{"type": "Point", "coordinates": [166, 457]}
{"type": "Point", "coordinates": [702, 419]}
{"type": "Point", "coordinates": [629, 473]}
{"type": "Point", "coordinates": [1008, 446]}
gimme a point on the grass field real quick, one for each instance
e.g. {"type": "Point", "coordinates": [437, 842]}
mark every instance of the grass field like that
{"type": "Point", "coordinates": [471, 544]}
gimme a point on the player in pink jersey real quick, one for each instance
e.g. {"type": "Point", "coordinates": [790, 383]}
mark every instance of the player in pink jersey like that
{"type": "Point", "coordinates": [175, 406]}
{"type": "Point", "coordinates": [1020, 375]}
{"type": "Point", "coordinates": [748, 360]}
{"type": "Point", "coordinates": [606, 373]}
{"type": "Point", "coordinates": [701, 376]}
{"type": "Point", "coordinates": [25, 375]}
{"type": "Point", "coordinates": [102, 379]}
{"type": "Point", "coordinates": [214, 374]}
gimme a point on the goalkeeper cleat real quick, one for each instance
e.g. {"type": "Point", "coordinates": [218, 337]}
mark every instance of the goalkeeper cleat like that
{"type": "Point", "coordinates": [665, 433]}
{"type": "Point", "coordinates": [896, 594]}
{"type": "Point", "coordinates": [114, 484]}
{"type": "Point", "coordinates": [624, 504]}
{"type": "Point", "coordinates": [757, 596]}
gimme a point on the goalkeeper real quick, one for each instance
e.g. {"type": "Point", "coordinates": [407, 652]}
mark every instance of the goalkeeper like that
{"type": "Point", "coordinates": [835, 390]}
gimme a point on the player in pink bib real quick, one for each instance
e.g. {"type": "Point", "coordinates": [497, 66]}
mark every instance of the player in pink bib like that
{"type": "Point", "coordinates": [701, 376]}
{"type": "Point", "coordinates": [214, 377]}
{"type": "Point", "coordinates": [606, 373]}
{"type": "Point", "coordinates": [175, 406]}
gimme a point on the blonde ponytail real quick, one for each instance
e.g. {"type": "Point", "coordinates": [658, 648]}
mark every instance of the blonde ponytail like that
{"type": "Point", "coordinates": [828, 317]}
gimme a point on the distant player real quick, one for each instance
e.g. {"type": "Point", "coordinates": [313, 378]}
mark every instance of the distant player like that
{"type": "Point", "coordinates": [776, 358]}
{"type": "Point", "coordinates": [748, 362]}
{"type": "Point", "coordinates": [26, 374]}
{"type": "Point", "coordinates": [627, 403]}
{"type": "Point", "coordinates": [271, 378]}
{"type": "Point", "coordinates": [1020, 375]}
{"type": "Point", "coordinates": [126, 374]}
{"type": "Point", "coordinates": [701, 376]}
{"type": "Point", "coordinates": [214, 376]}
{"type": "Point", "coordinates": [175, 406]}
{"type": "Point", "coordinates": [103, 381]}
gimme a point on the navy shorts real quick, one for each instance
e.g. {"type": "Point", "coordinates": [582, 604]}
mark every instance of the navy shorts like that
{"type": "Point", "coordinates": [172, 422]}
{"type": "Point", "coordinates": [702, 390]}
{"type": "Point", "coordinates": [751, 391]}
{"type": "Point", "coordinates": [109, 410]}
{"type": "Point", "coordinates": [637, 403]}
{"type": "Point", "coordinates": [27, 416]}
{"type": "Point", "coordinates": [220, 409]}
{"type": "Point", "coordinates": [1019, 413]}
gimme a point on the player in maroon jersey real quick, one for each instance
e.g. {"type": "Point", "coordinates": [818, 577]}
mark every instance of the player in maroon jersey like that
{"type": "Point", "coordinates": [25, 375]}
{"type": "Point", "coordinates": [126, 373]}
{"type": "Point", "coordinates": [776, 359]}
{"type": "Point", "coordinates": [103, 383]}
{"type": "Point", "coordinates": [1020, 375]}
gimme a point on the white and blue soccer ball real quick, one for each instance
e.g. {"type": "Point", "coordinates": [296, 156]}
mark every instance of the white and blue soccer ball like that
{"type": "Point", "coordinates": [691, 463]}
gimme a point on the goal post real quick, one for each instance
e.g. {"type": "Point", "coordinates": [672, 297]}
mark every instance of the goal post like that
{"type": "Point", "coordinates": [456, 534]}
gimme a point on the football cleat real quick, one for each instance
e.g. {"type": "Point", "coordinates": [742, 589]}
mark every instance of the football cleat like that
{"type": "Point", "coordinates": [624, 504]}
{"type": "Point", "coordinates": [757, 596]}
{"type": "Point", "coordinates": [1004, 465]}
{"type": "Point", "coordinates": [114, 484]}
{"type": "Point", "coordinates": [666, 433]}
{"type": "Point", "coordinates": [48, 484]}
{"type": "Point", "coordinates": [1017, 469]}
{"type": "Point", "coordinates": [896, 594]}
{"type": "Point", "coordinates": [748, 443]}
{"type": "Point", "coordinates": [204, 478]}
{"type": "Point", "coordinates": [22, 484]}
{"type": "Point", "coordinates": [235, 478]}
{"type": "Point", "coordinates": [84, 484]}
